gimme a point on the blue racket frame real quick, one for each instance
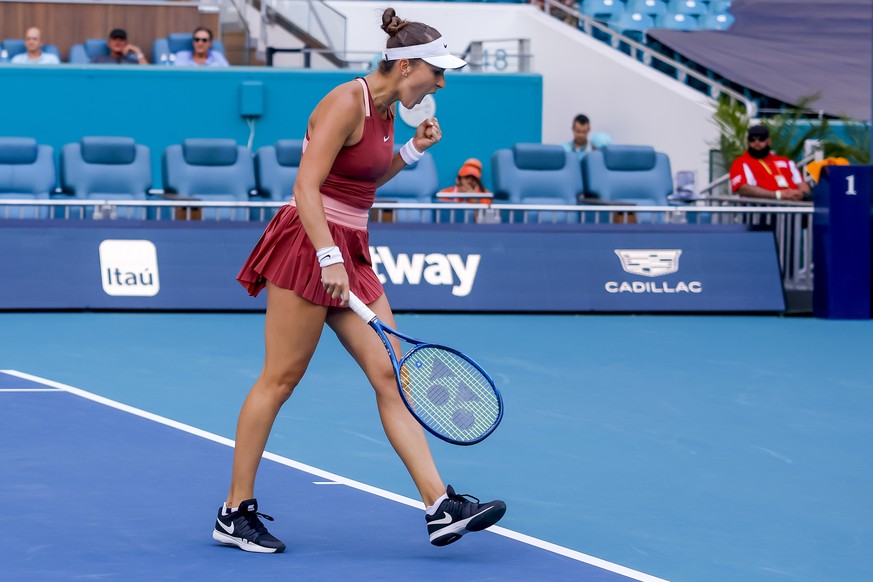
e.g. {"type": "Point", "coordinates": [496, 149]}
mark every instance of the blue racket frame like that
{"type": "Point", "coordinates": [366, 314]}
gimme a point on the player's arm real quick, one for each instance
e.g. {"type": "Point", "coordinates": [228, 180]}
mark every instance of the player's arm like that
{"type": "Point", "coordinates": [335, 121]}
{"type": "Point", "coordinates": [332, 124]}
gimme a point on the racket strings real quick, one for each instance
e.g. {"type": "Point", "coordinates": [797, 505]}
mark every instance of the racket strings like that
{"type": "Point", "coordinates": [449, 391]}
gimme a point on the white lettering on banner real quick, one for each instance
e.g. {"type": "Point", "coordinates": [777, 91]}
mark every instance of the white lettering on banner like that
{"type": "Point", "coordinates": [651, 263]}
{"type": "Point", "coordinates": [650, 287]}
{"type": "Point", "coordinates": [129, 268]}
{"type": "Point", "coordinates": [436, 268]}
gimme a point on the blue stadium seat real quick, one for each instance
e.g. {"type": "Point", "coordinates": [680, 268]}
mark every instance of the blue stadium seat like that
{"type": "Point", "coordinates": [11, 47]}
{"type": "Point", "coordinates": [164, 48]}
{"type": "Point", "coordinates": [688, 7]}
{"type": "Point", "coordinates": [275, 173]}
{"type": "Point", "coordinates": [601, 9]}
{"type": "Point", "coordinates": [720, 21]}
{"type": "Point", "coordinates": [677, 22]}
{"type": "Point", "coordinates": [648, 7]}
{"type": "Point", "coordinates": [538, 174]}
{"type": "Point", "coordinates": [27, 171]}
{"type": "Point", "coordinates": [622, 173]}
{"type": "Point", "coordinates": [417, 182]}
{"type": "Point", "coordinates": [91, 48]}
{"type": "Point", "coordinates": [107, 168]}
{"type": "Point", "coordinates": [719, 6]}
{"type": "Point", "coordinates": [633, 25]}
{"type": "Point", "coordinates": [276, 168]}
{"type": "Point", "coordinates": [210, 170]}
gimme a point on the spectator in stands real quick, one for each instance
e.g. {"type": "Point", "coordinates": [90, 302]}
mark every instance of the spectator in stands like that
{"type": "Point", "coordinates": [202, 54]}
{"type": "Point", "coordinates": [121, 52]}
{"type": "Point", "coordinates": [760, 173]}
{"type": "Point", "coordinates": [34, 54]}
{"type": "Point", "coordinates": [468, 181]}
{"type": "Point", "coordinates": [579, 144]}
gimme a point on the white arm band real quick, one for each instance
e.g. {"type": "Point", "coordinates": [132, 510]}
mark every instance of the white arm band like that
{"type": "Point", "coordinates": [409, 154]}
{"type": "Point", "coordinates": [329, 256]}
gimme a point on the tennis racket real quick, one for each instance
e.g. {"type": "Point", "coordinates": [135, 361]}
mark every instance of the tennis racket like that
{"type": "Point", "coordinates": [447, 392]}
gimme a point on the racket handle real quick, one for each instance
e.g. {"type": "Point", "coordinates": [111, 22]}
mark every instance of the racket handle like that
{"type": "Point", "coordinates": [360, 308]}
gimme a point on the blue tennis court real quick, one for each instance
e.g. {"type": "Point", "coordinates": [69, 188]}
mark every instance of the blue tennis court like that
{"type": "Point", "coordinates": [633, 447]}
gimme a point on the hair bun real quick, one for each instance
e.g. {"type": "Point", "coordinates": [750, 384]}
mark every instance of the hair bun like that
{"type": "Point", "coordinates": [391, 23]}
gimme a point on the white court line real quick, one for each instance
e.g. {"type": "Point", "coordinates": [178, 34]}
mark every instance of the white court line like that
{"type": "Point", "coordinates": [31, 390]}
{"type": "Point", "coordinates": [339, 480]}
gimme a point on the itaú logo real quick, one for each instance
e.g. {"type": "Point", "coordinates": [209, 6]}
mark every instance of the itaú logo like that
{"type": "Point", "coordinates": [651, 263]}
{"type": "Point", "coordinates": [129, 268]}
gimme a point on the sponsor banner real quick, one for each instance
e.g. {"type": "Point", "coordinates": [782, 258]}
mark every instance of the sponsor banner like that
{"type": "Point", "coordinates": [569, 268]}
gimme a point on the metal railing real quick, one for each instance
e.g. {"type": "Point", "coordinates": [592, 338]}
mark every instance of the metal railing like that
{"type": "Point", "coordinates": [791, 223]}
{"type": "Point", "coordinates": [313, 20]}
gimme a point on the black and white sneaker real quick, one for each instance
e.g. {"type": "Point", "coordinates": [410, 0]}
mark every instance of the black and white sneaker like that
{"type": "Point", "coordinates": [461, 514]}
{"type": "Point", "coordinates": [242, 528]}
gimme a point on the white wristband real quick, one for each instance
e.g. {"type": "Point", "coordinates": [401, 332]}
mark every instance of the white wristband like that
{"type": "Point", "coordinates": [409, 154]}
{"type": "Point", "coordinates": [329, 256]}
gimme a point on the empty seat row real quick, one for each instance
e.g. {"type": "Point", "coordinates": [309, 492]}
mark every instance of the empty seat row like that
{"type": "Point", "coordinates": [117, 168]}
{"type": "Point", "coordinates": [603, 9]}
{"type": "Point", "coordinates": [638, 16]}
{"type": "Point", "coordinates": [548, 175]}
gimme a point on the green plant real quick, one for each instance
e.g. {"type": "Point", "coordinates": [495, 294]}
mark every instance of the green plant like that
{"type": "Point", "coordinates": [856, 146]}
{"type": "Point", "coordinates": [788, 131]}
{"type": "Point", "coordinates": [733, 124]}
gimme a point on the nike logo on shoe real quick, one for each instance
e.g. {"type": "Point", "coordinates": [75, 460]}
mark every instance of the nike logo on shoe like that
{"type": "Point", "coordinates": [442, 520]}
{"type": "Point", "coordinates": [225, 528]}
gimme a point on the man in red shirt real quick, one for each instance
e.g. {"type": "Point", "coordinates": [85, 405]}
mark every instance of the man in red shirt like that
{"type": "Point", "coordinates": [759, 173]}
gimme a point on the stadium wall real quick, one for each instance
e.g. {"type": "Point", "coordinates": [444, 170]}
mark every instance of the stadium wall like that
{"type": "Point", "coordinates": [127, 264]}
{"type": "Point", "coordinates": [161, 106]}
{"type": "Point", "coordinates": [632, 102]}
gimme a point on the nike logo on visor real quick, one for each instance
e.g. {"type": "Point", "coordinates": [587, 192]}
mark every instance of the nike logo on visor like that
{"type": "Point", "coordinates": [225, 528]}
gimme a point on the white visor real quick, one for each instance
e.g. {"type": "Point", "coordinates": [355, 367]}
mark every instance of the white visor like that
{"type": "Point", "coordinates": [434, 53]}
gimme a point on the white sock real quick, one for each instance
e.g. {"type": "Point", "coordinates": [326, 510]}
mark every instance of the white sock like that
{"type": "Point", "coordinates": [432, 509]}
{"type": "Point", "coordinates": [225, 510]}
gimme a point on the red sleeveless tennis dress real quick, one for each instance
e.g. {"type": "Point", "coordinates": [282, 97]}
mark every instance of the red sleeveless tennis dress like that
{"type": "Point", "coordinates": [285, 256]}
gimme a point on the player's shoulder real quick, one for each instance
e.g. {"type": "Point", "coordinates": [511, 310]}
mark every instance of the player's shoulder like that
{"type": "Point", "coordinates": [345, 92]}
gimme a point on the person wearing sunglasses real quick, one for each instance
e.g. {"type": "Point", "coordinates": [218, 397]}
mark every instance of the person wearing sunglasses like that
{"type": "Point", "coordinates": [201, 54]}
{"type": "Point", "coordinates": [760, 173]}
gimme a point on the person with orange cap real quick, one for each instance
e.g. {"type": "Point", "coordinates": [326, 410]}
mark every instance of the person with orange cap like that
{"type": "Point", "coordinates": [468, 181]}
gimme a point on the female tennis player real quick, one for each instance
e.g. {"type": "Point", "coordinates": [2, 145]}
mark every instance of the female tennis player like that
{"type": "Point", "coordinates": [314, 251]}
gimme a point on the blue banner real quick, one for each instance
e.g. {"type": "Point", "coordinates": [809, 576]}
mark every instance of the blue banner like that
{"type": "Point", "coordinates": [478, 267]}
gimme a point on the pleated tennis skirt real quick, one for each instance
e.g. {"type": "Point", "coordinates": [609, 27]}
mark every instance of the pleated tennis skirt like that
{"type": "Point", "coordinates": [285, 257]}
